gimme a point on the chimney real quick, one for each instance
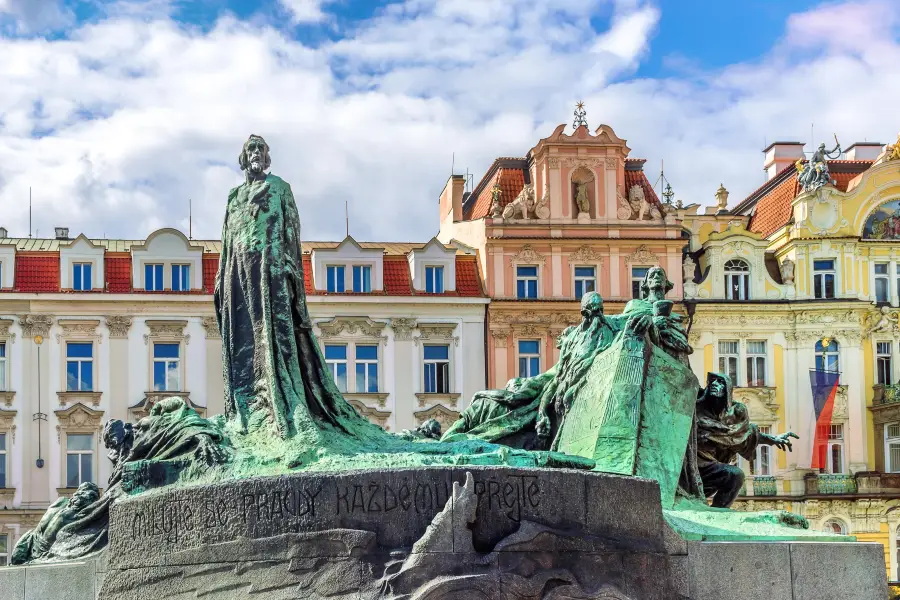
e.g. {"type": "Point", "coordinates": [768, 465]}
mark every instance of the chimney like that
{"type": "Point", "coordinates": [3, 232]}
{"type": "Point", "coordinates": [62, 233]}
{"type": "Point", "coordinates": [779, 155]}
{"type": "Point", "coordinates": [863, 151]}
{"type": "Point", "coordinates": [452, 196]}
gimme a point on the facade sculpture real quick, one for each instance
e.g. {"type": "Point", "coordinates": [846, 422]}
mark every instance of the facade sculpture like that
{"type": "Point", "coordinates": [496, 209]}
{"type": "Point", "coordinates": [814, 173]}
{"type": "Point", "coordinates": [636, 206]}
{"type": "Point", "coordinates": [581, 198]}
{"type": "Point", "coordinates": [523, 206]}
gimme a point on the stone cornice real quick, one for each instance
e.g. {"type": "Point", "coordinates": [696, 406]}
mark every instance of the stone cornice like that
{"type": "Point", "coordinates": [80, 329]}
{"type": "Point", "coordinates": [353, 326]}
{"type": "Point", "coordinates": [437, 331]}
{"type": "Point", "coordinates": [165, 330]}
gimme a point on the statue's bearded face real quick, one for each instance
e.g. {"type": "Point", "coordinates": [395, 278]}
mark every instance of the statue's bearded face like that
{"type": "Point", "coordinates": [256, 150]}
{"type": "Point", "coordinates": [717, 388]}
{"type": "Point", "coordinates": [655, 279]}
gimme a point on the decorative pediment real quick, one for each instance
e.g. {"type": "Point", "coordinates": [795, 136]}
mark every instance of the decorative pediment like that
{"type": "Point", "coordinates": [81, 329]}
{"type": "Point", "coordinates": [78, 417]}
{"type": "Point", "coordinates": [528, 255]}
{"type": "Point", "coordinates": [33, 325]}
{"type": "Point", "coordinates": [143, 408]}
{"type": "Point", "coordinates": [440, 413]}
{"type": "Point", "coordinates": [8, 423]}
{"type": "Point", "coordinates": [118, 326]}
{"type": "Point", "coordinates": [358, 326]}
{"type": "Point", "coordinates": [760, 402]}
{"type": "Point", "coordinates": [437, 331]}
{"type": "Point", "coordinates": [5, 334]}
{"type": "Point", "coordinates": [211, 327]}
{"type": "Point", "coordinates": [403, 328]}
{"type": "Point", "coordinates": [585, 254]}
{"type": "Point", "coordinates": [642, 256]}
{"type": "Point", "coordinates": [166, 330]}
{"type": "Point", "coordinates": [82, 242]}
{"type": "Point", "coordinates": [378, 417]}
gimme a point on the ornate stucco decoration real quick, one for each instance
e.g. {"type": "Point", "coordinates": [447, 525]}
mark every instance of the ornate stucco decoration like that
{"type": "Point", "coordinates": [787, 271]}
{"type": "Point", "coordinates": [166, 330]}
{"type": "Point", "coordinates": [78, 417]}
{"type": "Point", "coordinates": [840, 404]}
{"type": "Point", "coordinates": [440, 413]}
{"type": "Point", "coordinates": [118, 326]}
{"type": "Point", "coordinates": [553, 163]}
{"type": "Point", "coordinates": [573, 162]}
{"type": "Point", "coordinates": [33, 325]}
{"type": "Point", "coordinates": [211, 327]}
{"type": "Point", "coordinates": [611, 163]}
{"type": "Point", "coordinates": [403, 328]}
{"type": "Point", "coordinates": [378, 417]}
{"type": "Point", "coordinates": [437, 331]}
{"type": "Point", "coordinates": [542, 208]}
{"type": "Point", "coordinates": [361, 326]}
{"type": "Point", "coordinates": [636, 206]}
{"type": "Point", "coordinates": [642, 256]}
{"type": "Point", "coordinates": [501, 337]}
{"type": "Point", "coordinates": [5, 333]}
{"type": "Point", "coordinates": [586, 254]}
{"type": "Point", "coordinates": [828, 317]}
{"type": "Point", "coordinates": [79, 329]}
{"type": "Point", "coordinates": [528, 255]}
{"type": "Point", "coordinates": [8, 423]}
{"type": "Point", "coordinates": [523, 206]}
{"type": "Point", "coordinates": [760, 402]}
{"type": "Point", "coordinates": [741, 320]}
{"type": "Point", "coordinates": [883, 320]}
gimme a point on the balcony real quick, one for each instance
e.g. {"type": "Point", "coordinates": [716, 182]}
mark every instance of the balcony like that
{"type": "Point", "coordinates": [886, 394]}
{"type": "Point", "coordinates": [764, 486]}
{"type": "Point", "coordinates": [825, 483]}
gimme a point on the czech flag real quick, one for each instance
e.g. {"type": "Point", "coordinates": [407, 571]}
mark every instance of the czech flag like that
{"type": "Point", "coordinates": [824, 388]}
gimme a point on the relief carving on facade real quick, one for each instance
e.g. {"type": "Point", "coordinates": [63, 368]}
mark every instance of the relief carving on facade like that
{"type": "Point", "coordinates": [611, 163]}
{"type": "Point", "coordinates": [501, 337]}
{"type": "Point", "coordinates": [33, 325]}
{"type": "Point", "coordinates": [78, 417]}
{"type": "Point", "coordinates": [5, 333]}
{"type": "Point", "coordinates": [586, 254]}
{"type": "Point", "coordinates": [166, 330]}
{"type": "Point", "coordinates": [523, 206]}
{"type": "Point", "coordinates": [880, 320]}
{"type": "Point", "coordinates": [439, 413]}
{"type": "Point", "coordinates": [642, 256]}
{"type": "Point", "coordinates": [362, 326]}
{"type": "Point", "coordinates": [211, 327]}
{"type": "Point", "coordinates": [636, 206]}
{"type": "Point", "coordinates": [528, 255]}
{"type": "Point", "coordinates": [79, 329]}
{"type": "Point", "coordinates": [403, 328]}
{"type": "Point", "coordinates": [437, 331]}
{"type": "Point", "coordinates": [118, 326]}
{"type": "Point", "coordinates": [378, 417]}
{"type": "Point", "coordinates": [8, 423]}
{"type": "Point", "coordinates": [761, 403]}
{"type": "Point", "coordinates": [542, 209]}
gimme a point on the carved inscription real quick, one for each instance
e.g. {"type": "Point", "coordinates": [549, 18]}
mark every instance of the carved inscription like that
{"type": "Point", "coordinates": [511, 495]}
{"type": "Point", "coordinates": [375, 497]}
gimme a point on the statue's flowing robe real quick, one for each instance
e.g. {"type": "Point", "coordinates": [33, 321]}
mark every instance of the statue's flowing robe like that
{"type": "Point", "coordinates": [273, 368]}
{"type": "Point", "coordinates": [722, 436]}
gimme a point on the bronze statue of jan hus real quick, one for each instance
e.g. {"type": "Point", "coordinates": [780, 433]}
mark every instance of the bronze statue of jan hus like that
{"type": "Point", "coordinates": [724, 431]}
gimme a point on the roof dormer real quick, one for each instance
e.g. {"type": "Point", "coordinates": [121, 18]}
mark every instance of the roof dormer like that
{"type": "Point", "coordinates": [433, 268]}
{"type": "Point", "coordinates": [81, 264]}
{"type": "Point", "coordinates": [7, 264]}
{"type": "Point", "coordinates": [348, 267]}
{"type": "Point", "coordinates": [167, 261]}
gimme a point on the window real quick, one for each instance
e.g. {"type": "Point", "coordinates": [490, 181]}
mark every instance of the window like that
{"type": "Point", "coordinates": [737, 280]}
{"type": "Point", "coordinates": [761, 464]}
{"type": "Point", "coordinates": [637, 278]}
{"type": "Point", "coordinates": [437, 369]}
{"type": "Point", "coordinates": [181, 278]}
{"type": "Point", "coordinates": [3, 367]}
{"type": "Point", "coordinates": [153, 278]}
{"type": "Point", "coordinates": [166, 367]}
{"type": "Point", "coordinates": [366, 368]}
{"type": "Point", "coordinates": [884, 372]}
{"type": "Point", "coordinates": [336, 359]}
{"type": "Point", "coordinates": [4, 550]}
{"type": "Point", "coordinates": [526, 282]}
{"type": "Point", "coordinates": [79, 367]}
{"type": "Point", "coordinates": [823, 278]}
{"type": "Point", "coordinates": [529, 358]}
{"type": "Point", "coordinates": [834, 526]}
{"type": "Point", "coordinates": [898, 280]}
{"type": "Point", "coordinates": [827, 355]}
{"type": "Point", "coordinates": [2, 460]}
{"type": "Point", "coordinates": [836, 448]}
{"type": "Point", "coordinates": [585, 281]}
{"type": "Point", "coordinates": [756, 363]}
{"type": "Point", "coordinates": [892, 448]}
{"type": "Point", "coordinates": [362, 278]}
{"type": "Point", "coordinates": [882, 283]}
{"type": "Point", "coordinates": [335, 277]}
{"type": "Point", "coordinates": [728, 359]}
{"type": "Point", "coordinates": [79, 459]}
{"type": "Point", "coordinates": [434, 280]}
{"type": "Point", "coordinates": [81, 277]}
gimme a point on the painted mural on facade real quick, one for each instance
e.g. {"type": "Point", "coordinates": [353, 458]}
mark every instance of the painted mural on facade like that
{"type": "Point", "coordinates": [884, 223]}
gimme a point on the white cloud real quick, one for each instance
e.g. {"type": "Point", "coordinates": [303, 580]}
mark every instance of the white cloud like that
{"type": "Point", "coordinates": [116, 126]}
{"type": "Point", "coordinates": [29, 16]}
{"type": "Point", "coordinates": [305, 11]}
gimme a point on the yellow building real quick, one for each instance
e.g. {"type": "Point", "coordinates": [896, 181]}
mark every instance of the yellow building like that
{"type": "Point", "coordinates": [804, 276]}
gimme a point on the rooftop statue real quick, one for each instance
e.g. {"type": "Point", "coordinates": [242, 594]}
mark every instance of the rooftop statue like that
{"type": "Point", "coordinates": [814, 173]}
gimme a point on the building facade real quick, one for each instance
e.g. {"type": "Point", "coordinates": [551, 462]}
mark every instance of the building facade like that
{"type": "Point", "coordinates": [92, 330]}
{"type": "Point", "coordinates": [575, 214]}
{"type": "Point", "coordinates": [790, 282]}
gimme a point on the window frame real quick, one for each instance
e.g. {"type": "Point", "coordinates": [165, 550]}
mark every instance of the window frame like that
{"type": "Point", "coordinates": [367, 363]}
{"type": "Point", "coordinates": [637, 280]}
{"type": "Point", "coordinates": [184, 272]}
{"type": "Point", "coordinates": [166, 360]}
{"type": "Point", "coordinates": [827, 352]}
{"type": "Point", "coordinates": [881, 277]}
{"type": "Point", "coordinates": [832, 443]}
{"type": "Point", "coordinates": [78, 282]}
{"type": "Point", "coordinates": [333, 364]}
{"type": "Point", "coordinates": [529, 358]}
{"type": "Point", "coordinates": [92, 461]}
{"type": "Point", "coordinates": [158, 271]}
{"type": "Point", "coordinates": [4, 550]}
{"type": "Point", "coordinates": [526, 279]}
{"type": "Point", "coordinates": [362, 280]}
{"type": "Point", "coordinates": [753, 367]}
{"type": "Point", "coordinates": [4, 459]}
{"type": "Point", "coordinates": [742, 275]}
{"type": "Point", "coordinates": [823, 274]}
{"type": "Point", "coordinates": [841, 525]}
{"type": "Point", "coordinates": [761, 451]}
{"type": "Point", "coordinates": [92, 365]}
{"type": "Point", "coordinates": [582, 279]}
{"type": "Point", "coordinates": [881, 358]}
{"type": "Point", "coordinates": [439, 364]}
{"type": "Point", "coordinates": [4, 365]}
{"type": "Point", "coordinates": [736, 356]}
{"type": "Point", "coordinates": [889, 467]}
{"type": "Point", "coordinates": [435, 280]}
{"type": "Point", "coordinates": [338, 281]}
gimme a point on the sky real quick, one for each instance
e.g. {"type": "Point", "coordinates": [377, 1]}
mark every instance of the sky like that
{"type": "Point", "coordinates": [119, 114]}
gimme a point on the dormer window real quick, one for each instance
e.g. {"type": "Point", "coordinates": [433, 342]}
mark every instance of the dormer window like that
{"type": "Point", "coordinates": [823, 278]}
{"type": "Point", "coordinates": [362, 278]}
{"type": "Point", "coordinates": [81, 277]}
{"type": "Point", "coordinates": [153, 277]}
{"type": "Point", "coordinates": [181, 278]}
{"type": "Point", "coordinates": [335, 277]}
{"type": "Point", "coordinates": [434, 280]}
{"type": "Point", "coordinates": [737, 280]}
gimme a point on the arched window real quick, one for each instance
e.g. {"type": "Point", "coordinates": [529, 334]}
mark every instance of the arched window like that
{"type": "Point", "coordinates": [834, 526]}
{"type": "Point", "coordinates": [737, 280]}
{"type": "Point", "coordinates": [827, 355]}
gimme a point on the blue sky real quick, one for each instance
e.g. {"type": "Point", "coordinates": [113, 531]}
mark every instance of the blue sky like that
{"type": "Point", "coordinates": [118, 112]}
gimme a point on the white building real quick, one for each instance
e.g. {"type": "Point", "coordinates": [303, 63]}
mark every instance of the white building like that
{"type": "Point", "coordinates": [92, 330]}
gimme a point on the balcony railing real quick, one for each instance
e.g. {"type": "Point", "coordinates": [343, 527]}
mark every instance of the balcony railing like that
{"type": "Point", "coordinates": [886, 394]}
{"type": "Point", "coordinates": [826, 483]}
{"type": "Point", "coordinates": [764, 486]}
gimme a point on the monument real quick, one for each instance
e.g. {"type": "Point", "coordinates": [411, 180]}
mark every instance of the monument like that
{"type": "Point", "coordinates": [591, 480]}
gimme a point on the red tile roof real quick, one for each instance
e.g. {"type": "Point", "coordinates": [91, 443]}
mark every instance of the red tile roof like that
{"type": "Point", "coordinates": [117, 272]}
{"type": "Point", "coordinates": [397, 281]}
{"type": "Point", "coordinates": [210, 267]}
{"type": "Point", "coordinates": [511, 181]}
{"type": "Point", "coordinates": [468, 282]}
{"type": "Point", "coordinates": [640, 178]}
{"type": "Point", "coordinates": [771, 202]}
{"type": "Point", "coordinates": [37, 273]}
{"type": "Point", "coordinates": [308, 275]}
